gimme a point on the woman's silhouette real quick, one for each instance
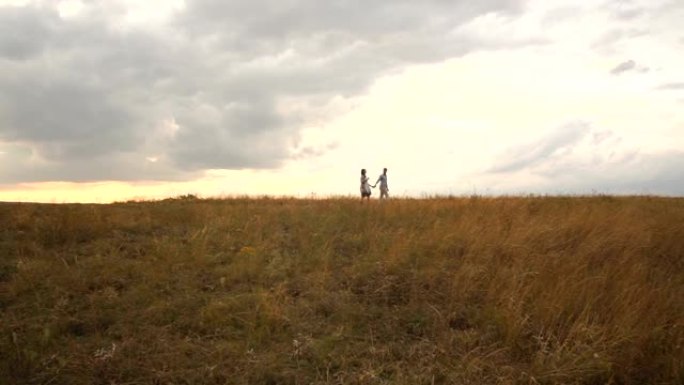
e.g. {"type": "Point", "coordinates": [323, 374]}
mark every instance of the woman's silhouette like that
{"type": "Point", "coordinates": [365, 186]}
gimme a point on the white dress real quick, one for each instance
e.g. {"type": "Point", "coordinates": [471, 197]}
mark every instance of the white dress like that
{"type": "Point", "coordinates": [365, 187]}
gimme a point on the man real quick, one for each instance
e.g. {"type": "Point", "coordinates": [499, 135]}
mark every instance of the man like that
{"type": "Point", "coordinates": [384, 190]}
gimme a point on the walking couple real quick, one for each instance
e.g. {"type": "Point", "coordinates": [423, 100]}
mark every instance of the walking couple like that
{"type": "Point", "coordinates": [366, 187]}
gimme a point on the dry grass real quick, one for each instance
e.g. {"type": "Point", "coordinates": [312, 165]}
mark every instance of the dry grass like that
{"type": "Point", "coordinates": [538, 290]}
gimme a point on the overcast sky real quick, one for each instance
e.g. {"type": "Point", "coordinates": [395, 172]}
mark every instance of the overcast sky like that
{"type": "Point", "coordinates": [108, 100]}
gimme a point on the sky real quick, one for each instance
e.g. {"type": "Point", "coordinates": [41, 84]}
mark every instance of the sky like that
{"type": "Point", "coordinates": [107, 100]}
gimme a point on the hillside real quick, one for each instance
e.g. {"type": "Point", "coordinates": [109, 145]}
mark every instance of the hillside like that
{"type": "Point", "coordinates": [535, 290]}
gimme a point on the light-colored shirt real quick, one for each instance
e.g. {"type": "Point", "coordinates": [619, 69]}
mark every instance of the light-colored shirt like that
{"type": "Point", "coordinates": [365, 187]}
{"type": "Point", "coordinates": [383, 181]}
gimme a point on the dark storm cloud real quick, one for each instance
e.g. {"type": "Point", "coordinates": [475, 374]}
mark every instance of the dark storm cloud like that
{"type": "Point", "coordinates": [538, 152]}
{"type": "Point", "coordinates": [85, 96]}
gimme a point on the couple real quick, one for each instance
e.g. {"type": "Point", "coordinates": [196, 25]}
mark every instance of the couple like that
{"type": "Point", "coordinates": [366, 187]}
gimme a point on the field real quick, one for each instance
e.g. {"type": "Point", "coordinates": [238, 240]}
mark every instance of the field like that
{"type": "Point", "coordinates": [472, 290]}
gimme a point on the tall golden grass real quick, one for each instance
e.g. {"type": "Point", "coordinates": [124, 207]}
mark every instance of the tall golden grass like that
{"type": "Point", "coordinates": [534, 290]}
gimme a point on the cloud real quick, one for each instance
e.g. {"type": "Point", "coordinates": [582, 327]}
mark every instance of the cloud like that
{"type": "Point", "coordinates": [578, 159]}
{"type": "Point", "coordinates": [615, 36]}
{"type": "Point", "coordinates": [66, 120]}
{"type": "Point", "coordinates": [561, 14]}
{"type": "Point", "coordinates": [25, 33]}
{"type": "Point", "coordinates": [623, 67]}
{"type": "Point", "coordinates": [625, 10]}
{"type": "Point", "coordinates": [671, 86]}
{"type": "Point", "coordinates": [655, 173]}
{"type": "Point", "coordinates": [533, 154]}
{"type": "Point", "coordinates": [314, 151]}
{"type": "Point", "coordinates": [629, 173]}
{"type": "Point", "coordinates": [86, 94]}
{"type": "Point", "coordinates": [628, 66]}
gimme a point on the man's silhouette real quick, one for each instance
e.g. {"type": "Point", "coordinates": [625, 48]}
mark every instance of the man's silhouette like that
{"type": "Point", "coordinates": [384, 189]}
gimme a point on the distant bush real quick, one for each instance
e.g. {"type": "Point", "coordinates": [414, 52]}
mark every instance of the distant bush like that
{"type": "Point", "coordinates": [184, 197]}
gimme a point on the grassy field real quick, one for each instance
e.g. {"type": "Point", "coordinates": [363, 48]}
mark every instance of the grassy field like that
{"type": "Point", "coordinates": [535, 290]}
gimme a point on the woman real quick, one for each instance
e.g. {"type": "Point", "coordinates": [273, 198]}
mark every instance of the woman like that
{"type": "Point", "coordinates": [365, 186]}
